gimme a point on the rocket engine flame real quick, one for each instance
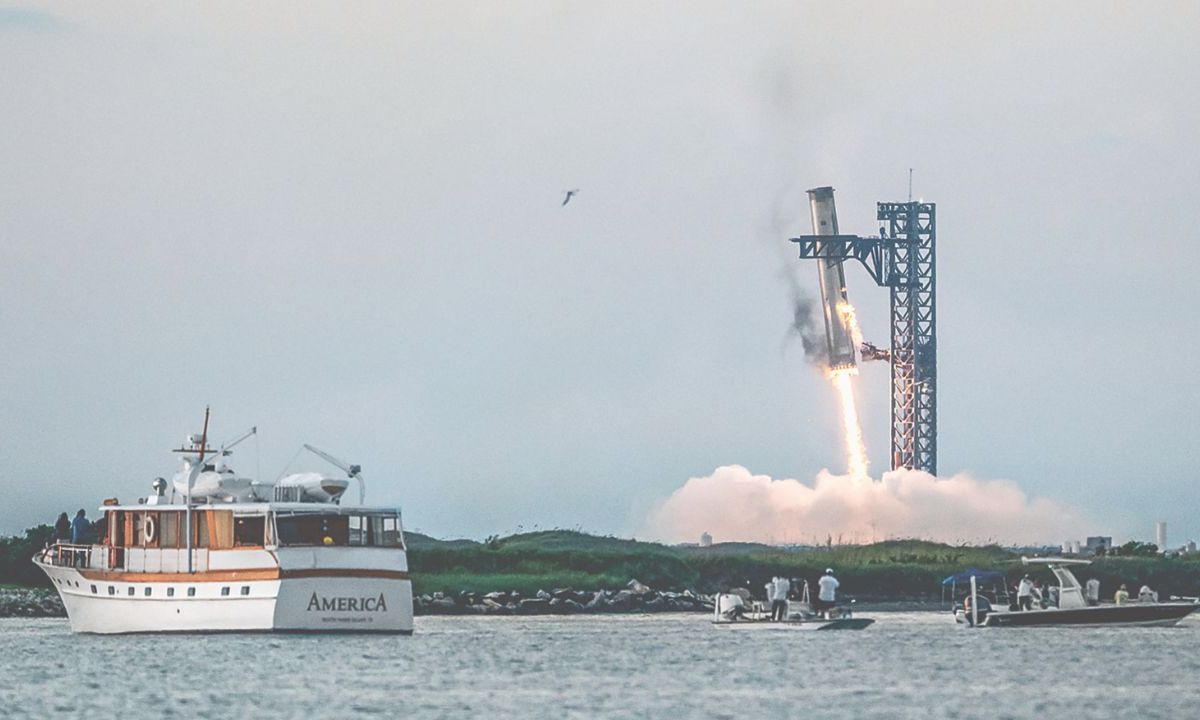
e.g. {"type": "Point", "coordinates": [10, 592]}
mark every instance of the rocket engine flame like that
{"type": "Point", "coordinates": [856, 449]}
{"type": "Point", "coordinates": [850, 318]}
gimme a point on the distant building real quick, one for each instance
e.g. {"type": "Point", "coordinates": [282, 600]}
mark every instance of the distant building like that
{"type": "Point", "coordinates": [1071, 547]}
{"type": "Point", "coordinates": [1160, 535]}
{"type": "Point", "coordinates": [1190, 547]}
{"type": "Point", "coordinates": [1099, 544]}
{"type": "Point", "coordinates": [705, 539]}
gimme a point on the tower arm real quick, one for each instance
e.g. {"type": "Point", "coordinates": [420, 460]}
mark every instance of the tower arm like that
{"type": "Point", "coordinates": [870, 251]}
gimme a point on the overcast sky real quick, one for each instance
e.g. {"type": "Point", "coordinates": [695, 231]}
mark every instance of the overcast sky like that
{"type": "Point", "coordinates": [341, 222]}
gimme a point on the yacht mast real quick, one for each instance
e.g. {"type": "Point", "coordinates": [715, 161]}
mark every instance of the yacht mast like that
{"type": "Point", "coordinates": [192, 473]}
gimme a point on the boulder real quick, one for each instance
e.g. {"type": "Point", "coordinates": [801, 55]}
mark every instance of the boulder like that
{"type": "Point", "coordinates": [534, 606]}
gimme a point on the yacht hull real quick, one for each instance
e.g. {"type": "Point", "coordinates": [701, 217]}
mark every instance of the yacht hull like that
{"type": "Point", "coordinates": [336, 600]}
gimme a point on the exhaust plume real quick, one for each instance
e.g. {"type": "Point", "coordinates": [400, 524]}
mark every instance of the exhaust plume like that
{"type": "Point", "coordinates": [804, 326]}
{"type": "Point", "coordinates": [734, 505]}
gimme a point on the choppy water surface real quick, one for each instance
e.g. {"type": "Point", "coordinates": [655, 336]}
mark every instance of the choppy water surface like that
{"type": "Point", "coordinates": [908, 665]}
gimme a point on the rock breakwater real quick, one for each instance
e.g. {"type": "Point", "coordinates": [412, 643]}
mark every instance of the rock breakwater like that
{"type": "Point", "coordinates": [30, 602]}
{"type": "Point", "coordinates": [635, 597]}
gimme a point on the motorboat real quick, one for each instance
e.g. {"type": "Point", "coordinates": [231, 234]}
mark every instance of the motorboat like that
{"type": "Point", "coordinates": [734, 611]}
{"type": "Point", "coordinates": [1072, 609]}
{"type": "Point", "coordinates": [222, 552]}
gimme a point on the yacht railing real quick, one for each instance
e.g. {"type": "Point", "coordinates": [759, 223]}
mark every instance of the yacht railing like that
{"type": "Point", "coordinates": [76, 555]}
{"type": "Point", "coordinates": [130, 559]}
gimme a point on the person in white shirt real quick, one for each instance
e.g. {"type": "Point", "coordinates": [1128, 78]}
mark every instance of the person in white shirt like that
{"type": "Point", "coordinates": [1091, 591]}
{"type": "Point", "coordinates": [827, 593]}
{"type": "Point", "coordinates": [779, 606]}
{"type": "Point", "coordinates": [1025, 594]}
{"type": "Point", "coordinates": [1146, 595]}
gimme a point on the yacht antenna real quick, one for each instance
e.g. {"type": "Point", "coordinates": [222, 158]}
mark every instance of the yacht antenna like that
{"type": "Point", "coordinates": [192, 473]}
{"type": "Point", "coordinates": [354, 471]}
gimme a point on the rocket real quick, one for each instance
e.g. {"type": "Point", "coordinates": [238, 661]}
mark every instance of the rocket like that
{"type": "Point", "coordinates": [833, 283]}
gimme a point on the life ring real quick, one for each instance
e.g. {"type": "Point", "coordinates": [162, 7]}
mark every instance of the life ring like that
{"type": "Point", "coordinates": [148, 528]}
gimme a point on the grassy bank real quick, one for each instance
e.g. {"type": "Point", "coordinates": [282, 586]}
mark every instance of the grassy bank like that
{"type": "Point", "coordinates": [894, 570]}
{"type": "Point", "coordinates": [905, 569]}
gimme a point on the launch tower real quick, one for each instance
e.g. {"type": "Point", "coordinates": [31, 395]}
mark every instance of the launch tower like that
{"type": "Point", "coordinates": [901, 258]}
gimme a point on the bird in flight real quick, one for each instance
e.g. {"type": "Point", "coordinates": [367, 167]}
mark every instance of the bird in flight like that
{"type": "Point", "coordinates": [570, 194]}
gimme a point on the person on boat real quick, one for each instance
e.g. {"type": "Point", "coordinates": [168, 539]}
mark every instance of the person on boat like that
{"type": "Point", "coordinates": [827, 591]}
{"type": "Point", "coordinates": [1121, 596]}
{"type": "Point", "coordinates": [1146, 595]}
{"type": "Point", "coordinates": [779, 605]}
{"type": "Point", "coordinates": [1039, 598]}
{"type": "Point", "coordinates": [62, 529]}
{"type": "Point", "coordinates": [81, 528]}
{"type": "Point", "coordinates": [1025, 594]}
{"type": "Point", "coordinates": [985, 607]}
{"type": "Point", "coordinates": [1091, 591]}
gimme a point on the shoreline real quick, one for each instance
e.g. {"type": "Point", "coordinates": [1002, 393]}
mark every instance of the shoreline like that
{"type": "Point", "coordinates": [45, 603]}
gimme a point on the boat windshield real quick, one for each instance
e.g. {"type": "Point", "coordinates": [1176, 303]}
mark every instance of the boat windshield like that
{"type": "Point", "coordinates": [354, 530]}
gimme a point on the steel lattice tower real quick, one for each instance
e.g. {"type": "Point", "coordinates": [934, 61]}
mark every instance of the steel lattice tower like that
{"type": "Point", "coordinates": [903, 259]}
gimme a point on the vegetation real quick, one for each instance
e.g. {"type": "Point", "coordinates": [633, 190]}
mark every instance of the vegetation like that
{"type": "Point", "coordinates": [16, 553]}
{"type": "Point", "coordinates": [906, 569]}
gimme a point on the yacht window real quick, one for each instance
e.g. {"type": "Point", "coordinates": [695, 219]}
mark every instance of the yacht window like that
{"type": "Point", "coordinates": [245, 589]}
{"type": "Point", "coordinates": [147, 591]}
{"type": "Point", "coordinates": [391, 532]}
{"type": "Point", "coordinates": [132, 590]}
{"type": "Point", "coordinates": [200, 528]}
{"type": "Point", "coordinates": [313, 529]}
{"type": "Point", "coordinates": [170, 592]}
{"type": "Point", "coordinates": [249, 530]}
{"type": "Point", "coordinates": [358, 530]}
{"type": "Point", "coordinates": [93, 589]}
{"type": "Point", "coordinates": [224, 591]}
{"type": "Point", "coordinates": [191, 592]}
{"type": "Point", "coordinates": [168, 530]}
{"type": "Point", "coordinates": [112, 590]}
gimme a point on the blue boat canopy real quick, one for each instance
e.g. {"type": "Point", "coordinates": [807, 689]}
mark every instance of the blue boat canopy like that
{"type": "Point", "coordinates": [980, 576]}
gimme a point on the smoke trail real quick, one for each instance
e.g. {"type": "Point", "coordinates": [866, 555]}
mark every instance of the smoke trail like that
{"type": "Point", "coordinates": [732, 504]}
{"type": "Point", "coordinates": [804, 326]}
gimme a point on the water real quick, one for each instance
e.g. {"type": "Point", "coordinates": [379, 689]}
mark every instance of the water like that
{"type": "Point", "coordinates": [908, 665]}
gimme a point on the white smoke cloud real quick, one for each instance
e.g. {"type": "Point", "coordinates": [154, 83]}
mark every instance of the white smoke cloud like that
{"type": "Point", "coordinates": [732, 504]}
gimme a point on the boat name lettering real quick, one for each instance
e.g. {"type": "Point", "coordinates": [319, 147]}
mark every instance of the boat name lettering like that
{"type": "Point", "coordinates": [347, 604]}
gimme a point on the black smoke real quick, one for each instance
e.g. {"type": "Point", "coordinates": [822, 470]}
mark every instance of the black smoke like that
{"type": "Point", "coordinates": [804, 326]}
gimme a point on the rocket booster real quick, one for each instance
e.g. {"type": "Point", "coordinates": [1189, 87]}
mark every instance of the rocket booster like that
{"type": "Point", "coordinates": [833, 283]}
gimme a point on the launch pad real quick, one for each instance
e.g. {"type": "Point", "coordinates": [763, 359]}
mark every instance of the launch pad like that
{"type": "Point", "coordinates": [901, 258]}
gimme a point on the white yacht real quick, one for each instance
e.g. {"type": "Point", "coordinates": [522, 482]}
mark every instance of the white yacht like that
{"type": "Point", "coordinates": [215, 551]}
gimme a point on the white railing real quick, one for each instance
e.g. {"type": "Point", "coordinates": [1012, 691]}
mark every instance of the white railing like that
{"type": "Point", "coordinates": [131, 559]}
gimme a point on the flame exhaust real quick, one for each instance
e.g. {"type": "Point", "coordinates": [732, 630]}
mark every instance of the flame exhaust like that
{"type": "Point", "coordinates": [856, 449]}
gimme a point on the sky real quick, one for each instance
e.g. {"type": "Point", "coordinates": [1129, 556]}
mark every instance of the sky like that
{"type": "Point", "coordinates": [342, 223]}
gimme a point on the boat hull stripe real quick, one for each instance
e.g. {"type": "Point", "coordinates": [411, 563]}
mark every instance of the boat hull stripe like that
{"type": "Point", "coordinates": [239, 575]}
